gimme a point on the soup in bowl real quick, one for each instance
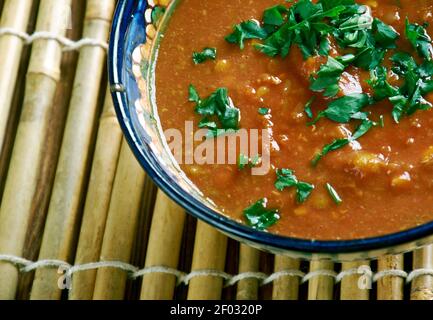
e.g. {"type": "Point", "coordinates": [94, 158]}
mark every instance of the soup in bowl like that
{"type": "Point", "coordinates": [300, 127]}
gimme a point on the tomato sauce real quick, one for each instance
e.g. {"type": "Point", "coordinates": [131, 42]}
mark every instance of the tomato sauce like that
{"type": "Point", "coordinates": [385, 179]}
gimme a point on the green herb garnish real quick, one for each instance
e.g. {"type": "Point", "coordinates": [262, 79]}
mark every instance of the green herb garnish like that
{"type": "Point", "coordinates": [244, 161]}
{"type": "Point", "coordinates": [362, 129]}
{"type": "Point", "coordinates": [346, 108]}
{"type": "Point", "coordinates": [255, 161]}
{"type": "Point", "coordinates": [287, 179]}
{"type": "Point", "coordinates": [333, 193]}
{"type": "Point", "coordinates": [246, 30]}
{"type": "Point", "coordinates": [328, 77]}
{"type": "Point", "coordinates": [263, 111]}
{"type": "Point", "coordinates": [259, 217]}
{"type": "Point", "coordinates": [307, 108]}
{"type": "Point", "coordinates": [420, 40]}
{"type": "Point", "coordinates": [382, 121]}
{"type": "Point", "coordinates": [219, 113]}
{"type": "Point", "coordinates": [205, 54]}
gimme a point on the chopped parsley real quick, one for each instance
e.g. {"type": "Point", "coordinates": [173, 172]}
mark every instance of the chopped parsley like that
{"type": "Point", "coordinates": [328, 77]}
{"type": "Point", "coordinates": [218, 112]}
{"type": "Point", "coordinates": [264, 111]}
{"type": "Point", "coordinates": [259, 217]}
{"type": "Point", "coordinates": [346, 108]}
{"type": "Point", "coordinates": [420, 40]}
{"type": "Point", "coordinates": [205, 54]}
{"type": "Point", "coordinates": [382, 121]}
{"type": "Point", "coordinates": [333, 193]}
{"type": "Point", "coordinates": [362, 129]}
{"type": "Point", "coordinates": [307, 108]}
{"type": "Point", "coordinates": [250, 29]}
{"type": "Point", "coordinates": [244, 161]}
{"type": "Point", "coordinates": [287, 179]}
{"type": "Point", "coordinates": [417, 82]}
{"type": "Point", "coordinates": [255, 161]}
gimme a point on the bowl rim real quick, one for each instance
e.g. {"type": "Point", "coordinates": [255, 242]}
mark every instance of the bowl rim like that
{"type": "Point", "coordinates": [125, 12]}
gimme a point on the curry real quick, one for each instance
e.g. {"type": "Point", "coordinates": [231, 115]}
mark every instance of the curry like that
{"type": "Point", "coordinates": [343, 91]}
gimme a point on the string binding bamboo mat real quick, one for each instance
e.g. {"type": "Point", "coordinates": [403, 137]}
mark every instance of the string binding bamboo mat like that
{"type": "Point", "coordinates": [79, 218]}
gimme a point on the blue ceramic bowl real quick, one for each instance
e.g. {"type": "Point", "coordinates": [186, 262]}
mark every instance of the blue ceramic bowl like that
{"type": "Point", "coordinates": [131, 64]}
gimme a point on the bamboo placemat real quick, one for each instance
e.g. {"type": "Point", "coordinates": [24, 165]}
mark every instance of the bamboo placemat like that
{"type": "Point", "coordinates": [78, 212]}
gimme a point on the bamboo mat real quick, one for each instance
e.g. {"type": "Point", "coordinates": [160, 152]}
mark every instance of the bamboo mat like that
{"type": "Point", "coordinates": [79, 218]}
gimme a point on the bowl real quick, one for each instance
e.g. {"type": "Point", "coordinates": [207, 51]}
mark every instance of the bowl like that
{"type": "Point", "coordinates": [135, 35]}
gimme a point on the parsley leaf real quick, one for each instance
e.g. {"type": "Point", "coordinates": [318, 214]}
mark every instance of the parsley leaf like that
{"type": "Point", "coordinates": [344, 109]}
{"type": "Point", "coordinates": [206, 54]}
{"type": "Point", "coordinates": [274, 16]}
{"type": "Point", "coordinates": [259, 217]}
{"type": "Point", "coordinates": [243, 161]}
{"type": "Point", "coordinates": [287, 179]}
{"type": "Point", "coordinates": [362, 129]}
{"type": "Point", "coordinates": [193, 94]}
{"type": "Point", "coordinates": [335, 145]}
{"type": "Point", "coordinates": [385, 35]}
{"type": "Point", "coordinates": [380, 85]}
{"type": "Point", "coordinates": [263, 111]}
{"type": "Point", "coordinates": [303, 191]}
{"type": "Point", "coordinates": [333, 193]}
{"type": "Point", "coordinates": [218, 106]}
{"type": "Point", "coordinates": [417, 82]}
{"type": "Point", "coordinates": [250, 29]}
{"type": "Point", "coordinates": [420, 40]}
{"type": "Point", "coordinates": [328, 76]}
{"type": "Point", "coordinates": [307, 108]}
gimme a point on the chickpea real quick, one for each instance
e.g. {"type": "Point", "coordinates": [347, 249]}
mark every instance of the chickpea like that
{"type": "Point", "coordinates": [222, 65]}
{"type": "Point", "coordinates": [262, 91]}
{"type": "Point", "coordinates": [320, 201]}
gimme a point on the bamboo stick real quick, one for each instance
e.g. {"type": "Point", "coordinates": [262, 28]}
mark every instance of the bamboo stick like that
{"type": "Point", "coordinates": [350, 286]}
{"type": "Point", "coordinates": [209, 254]}
{"type": "Point", "coordinates": [97, 200]}
{"type": "Point", "coordinates": [23, 180]}
{"type": "Point", "coordinates": [141, 240]}
{"type": "Point", "coordinates": [15, 15]}
{"type": "Point", "coordinates": [186, 253]}
{"type": "Point", "coordinates": [390, 288]}
{"type": "Point", "coordinates": [120, 229]}
{"type": "Point", "coordinates": [422, 287]}
{"type": "Point", "coordinates": [66, 199]}
{"type": "Point", "coordinates": [287, 287]}
{"type": "Point", "coordinates": [163, 249]}
{"type": "Point", "coordinates": [51, 150]}
{"type": "Point", "coordinates": [321, 287]}
{"type": "Point", "coordinates": [249, 261]}
{"type": "Point", "coordinates": [16, 103]}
